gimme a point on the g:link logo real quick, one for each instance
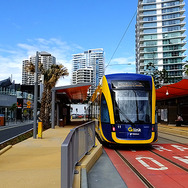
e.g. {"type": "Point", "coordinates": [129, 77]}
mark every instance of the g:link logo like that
{"type": "Point", "coordinates": [130, 129]}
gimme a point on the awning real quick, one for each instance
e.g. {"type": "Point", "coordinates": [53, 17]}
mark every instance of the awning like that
{"type": "Point", "coordinates": [178, 89]}
{"type": "Point", "coordinates": [74, 92]}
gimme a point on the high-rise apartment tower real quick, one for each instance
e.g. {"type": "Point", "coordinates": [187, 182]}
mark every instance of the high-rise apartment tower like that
{"type": "Point", "coordinates": [45, 58]}
{"type": "Point", "coordinates": [88, 67]}
{"type": "Point", "coordinates": [160, 37]}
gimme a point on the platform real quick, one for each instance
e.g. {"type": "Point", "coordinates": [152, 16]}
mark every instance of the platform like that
{"type": "Point", "coordinates": [34, 162]}
{"type": "Point", "coordinates": [37, 162]}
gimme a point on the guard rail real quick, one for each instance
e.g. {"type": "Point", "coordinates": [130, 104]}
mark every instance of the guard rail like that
{"type": "Point", "coordinates": [77, 144]}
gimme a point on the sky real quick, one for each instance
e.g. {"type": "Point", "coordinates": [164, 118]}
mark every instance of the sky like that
{"type": "Point", "coordinates": [64, 28]}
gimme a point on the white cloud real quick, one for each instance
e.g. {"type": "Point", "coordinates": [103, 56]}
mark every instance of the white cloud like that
{"type": "Point", "coordinates": [121, 65]}
{"type": "Point", "coordinates": [11, 58]}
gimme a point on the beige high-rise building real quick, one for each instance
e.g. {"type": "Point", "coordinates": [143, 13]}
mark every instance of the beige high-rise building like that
{"type": "Point", "coordinates": [45, 58]}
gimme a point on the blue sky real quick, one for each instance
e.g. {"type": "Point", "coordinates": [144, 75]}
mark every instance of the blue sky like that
{"type": "Point", "coordinates": [63, 28]}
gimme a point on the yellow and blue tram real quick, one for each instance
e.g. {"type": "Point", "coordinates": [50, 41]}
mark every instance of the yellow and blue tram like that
{"type": "Point", "coordinates": [123, 107]}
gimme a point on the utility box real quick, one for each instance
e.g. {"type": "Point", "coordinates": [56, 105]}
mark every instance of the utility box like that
{"type": "Point", "coordinates": [2, 119]}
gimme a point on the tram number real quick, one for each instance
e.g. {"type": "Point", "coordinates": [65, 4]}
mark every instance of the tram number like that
{"type": "Point", "coordinates": [160, 166]}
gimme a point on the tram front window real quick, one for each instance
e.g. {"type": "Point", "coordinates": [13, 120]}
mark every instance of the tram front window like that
{"type": "Point", "coordinates": [132, 106]}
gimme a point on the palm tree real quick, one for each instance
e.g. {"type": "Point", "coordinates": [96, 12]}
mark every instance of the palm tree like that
{"type": "Point", "coordinates": [51, 76]}
{"type": "Point", "coordinates": [186, 68]}
{"type": "Point", "coordinates": [160, 77]}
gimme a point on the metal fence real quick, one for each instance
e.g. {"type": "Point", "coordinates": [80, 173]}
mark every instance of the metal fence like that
{"type": "Point", "coordinates": [76, 145]}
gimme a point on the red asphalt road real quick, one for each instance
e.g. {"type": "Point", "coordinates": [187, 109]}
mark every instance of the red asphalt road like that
{"type": "Point", "coordinates": [159, 172]}
{"type": "Point", "coordinates": [177, 153]}
{"type": "Point", "coordinates": [125, 172]}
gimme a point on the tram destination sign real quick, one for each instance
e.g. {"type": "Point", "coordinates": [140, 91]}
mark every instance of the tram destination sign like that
{"type": "Point", "coordinates": [128, 84]}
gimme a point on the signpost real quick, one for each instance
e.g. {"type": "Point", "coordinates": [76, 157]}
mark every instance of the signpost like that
{"type": "Point", "coordinates": [35, 96]}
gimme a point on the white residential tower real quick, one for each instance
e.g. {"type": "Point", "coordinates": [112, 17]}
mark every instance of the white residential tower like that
{"type": "Point", "coordinates": [88, 67]}
{"type": "Point", "coordinates": [160, 37]}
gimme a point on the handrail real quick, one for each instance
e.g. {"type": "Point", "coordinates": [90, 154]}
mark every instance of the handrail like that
{"type": "Point", "coordinates": [77, 144]}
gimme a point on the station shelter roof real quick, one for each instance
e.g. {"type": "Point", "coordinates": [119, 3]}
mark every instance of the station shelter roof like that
{"type": "Point", "coordinates": [176, 90]}
{"type": "Point", "coordinates": [73, 93]}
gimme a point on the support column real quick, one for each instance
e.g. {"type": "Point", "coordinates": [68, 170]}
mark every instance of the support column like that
{"type": "Point", "coordinates": [53, 110]}
{"type": "Point", "coordinates": [57, 114]}
{"type": "Point", "coordinates": [35, 96]}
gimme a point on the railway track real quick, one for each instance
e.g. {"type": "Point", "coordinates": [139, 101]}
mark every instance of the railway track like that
{"type": "Point", "coordinates": [142, 178]}
{"type": "Point", "coordinates": [161, 165]}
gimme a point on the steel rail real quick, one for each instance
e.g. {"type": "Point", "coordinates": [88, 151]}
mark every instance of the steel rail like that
{"type": "Point", "coordinates": [176, 164]}
{"type": "Point", "coordinates": [142, 178]}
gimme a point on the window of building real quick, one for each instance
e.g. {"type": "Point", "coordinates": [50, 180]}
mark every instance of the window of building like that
{"type": "Point", "coordinates": [168, 61]}
{"type": "Point", "coordinates": [168, 4]}
{"type": "Point", "coordinates": [154, 61]}
{"type": "Point", "coordinates": [175, 73]}
{"type": "Point", "coordinates": [154, 49]}
{"type": "Point", "coordinates": [171, 41]}
{"type": "Point", "coordinates": [171, 54]}
{"type": "Point", "coordinates": [150, 37]}
{"type": "Point", "coordinates": [169, 16]}
{"type": "Point", "coordinates": [174, 9]}
{"type": "Point", "coordinates": [149, 6]}
{"type": "Point", "coordinates": [154, 24]}
{"type": "Point", "coordinates": [172, 28]}
{"type": "Point", "coordinates": [171, 22]}
{"type": "Point", "coordinates": [150, 43]}
{"type": "Point", "coordinates": [150, 18]}
{"type": "Point", "coordinates": [150, 30]}
{"type": "Point", "coordinates": [152, 55]}
{"type": "Point", "coordinates": [172, 67]}
{"type": "Point", "coordinates": [174, 47]}
{"type": "Point", "coordinates": [149, 1]}
{"type": "Point", "coordinates": [170, 35]}
{"type": "Point", "coordinates": [149, 12]}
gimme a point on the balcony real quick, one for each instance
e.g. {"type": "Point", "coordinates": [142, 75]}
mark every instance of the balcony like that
{"type": "Point", "coordinates": [174, 57]}
{"type": "Point", "coordinates": [176, 37]}
{"type": "Point", "coordinates": [172, 6]}
{"type": "Point", "coordinates": [176, 43]}
{"type": "Point", "coordinates": [182, 17]}
{"type": "Point", "coordinates": [181, 12]}
{"type": "Point", "coordinates": [183, 50]}
{"type": "Point", "coordinates": [182, 24]}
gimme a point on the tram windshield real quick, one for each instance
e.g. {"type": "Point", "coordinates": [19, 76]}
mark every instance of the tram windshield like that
{"type": "Point", "coordinates": [132, 106]}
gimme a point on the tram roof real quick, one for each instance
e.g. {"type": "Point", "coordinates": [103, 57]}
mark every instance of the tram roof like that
{"type": "Point", "coordinates": [72, 93]}
{"type": "Point", "coordinates": [176, 90]}
{"type": "Point", "coordinates": [127, 76]}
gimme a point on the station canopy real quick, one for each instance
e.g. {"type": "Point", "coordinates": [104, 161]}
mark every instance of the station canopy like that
{"type": "Point", "coordinates": [176, 90]}
{"type": "Point", "coordinates": [72, 93]}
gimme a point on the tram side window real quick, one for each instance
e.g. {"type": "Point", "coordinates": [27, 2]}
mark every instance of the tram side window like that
{"type": "Point", "coordinates": [104, 111]}
{"type": "Point", "coordinates": [97, 107]}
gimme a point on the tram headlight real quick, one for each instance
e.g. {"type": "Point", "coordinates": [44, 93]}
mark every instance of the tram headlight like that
{"type": "Point", "coordinates": [113, 128]}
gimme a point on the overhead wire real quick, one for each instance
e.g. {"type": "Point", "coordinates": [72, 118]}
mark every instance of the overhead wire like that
{"type": "Point", "coordinates": [121, 40]}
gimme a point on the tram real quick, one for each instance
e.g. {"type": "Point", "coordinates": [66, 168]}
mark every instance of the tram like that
{"type": "Point", "coordinates": [123, 107]}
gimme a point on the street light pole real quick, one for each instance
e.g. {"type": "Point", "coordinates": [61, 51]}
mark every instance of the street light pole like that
{"type": "Point", "coordinates": [35, 96]}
